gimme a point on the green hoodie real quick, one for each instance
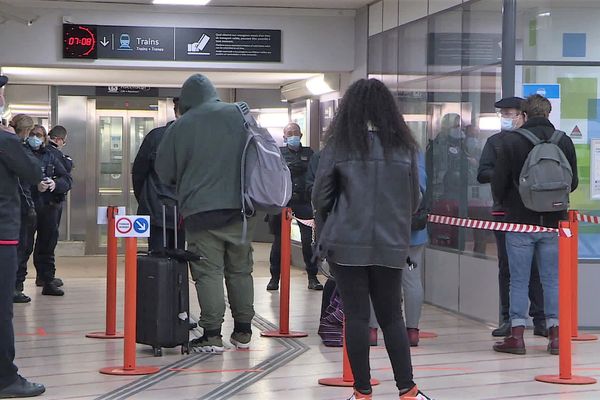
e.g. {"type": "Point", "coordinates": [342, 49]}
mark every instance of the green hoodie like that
{"type": "Point", "coordinates": [201, 152]}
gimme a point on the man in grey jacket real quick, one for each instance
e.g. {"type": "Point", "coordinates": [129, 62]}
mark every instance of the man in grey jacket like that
{"type": "Point", "coordinates": [16, 163]}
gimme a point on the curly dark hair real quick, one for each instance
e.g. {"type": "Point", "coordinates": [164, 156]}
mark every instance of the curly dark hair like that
{"type": "Point", "coordinates": [367, 106]}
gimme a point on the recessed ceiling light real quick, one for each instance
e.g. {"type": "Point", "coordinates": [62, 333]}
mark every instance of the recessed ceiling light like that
{"type": "Point", "coordinates": [182, 2]}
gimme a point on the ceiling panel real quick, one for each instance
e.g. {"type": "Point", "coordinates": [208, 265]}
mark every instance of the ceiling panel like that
{"type": "Point", "coordinates": [156, 78]}
{"type": "Point", "coordinates": [335, 4]}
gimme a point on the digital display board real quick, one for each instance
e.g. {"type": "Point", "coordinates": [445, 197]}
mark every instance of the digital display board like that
{"type": "Point", "coordinates": [80, 41]}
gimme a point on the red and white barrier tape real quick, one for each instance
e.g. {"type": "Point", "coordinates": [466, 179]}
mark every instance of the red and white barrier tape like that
{"type": "Point", "coordinates": [482, 224]}
{"type": "Point", "coordinates": [591, 219]}
{"type": "Point", "coordinates": [488, 225]}
{"type": "Point", "coordinates": [307, 222]}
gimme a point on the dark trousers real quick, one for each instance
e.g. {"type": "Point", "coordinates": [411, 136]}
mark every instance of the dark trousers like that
{"type": "Point", "coordinates": [301, 211]}
{"type": "Point", "coordinates": [8, 269]}
{"type": "Point", "coordinates": [24, 249]}
{"type": "Point", "coordinates": [356, 284]}
{"type": "Point", "coordinates": [328, 290]}
{"type": "Point", "coordinates": [48, 218]}
{"type": "Point", "coordinates": [156, 242]}
{"type": "Point", "coordinates": [536, 293]}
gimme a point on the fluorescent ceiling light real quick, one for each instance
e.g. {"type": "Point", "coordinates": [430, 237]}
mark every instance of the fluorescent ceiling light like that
{"type": "Point", "coordinates": [318, 86]}
{"type": "Point", "coordinates": [182, 2]}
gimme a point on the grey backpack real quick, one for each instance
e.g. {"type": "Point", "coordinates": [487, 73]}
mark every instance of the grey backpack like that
{"type": "Point", "coordinates": [546, 176]}
{"type": "Point", "coordinates": [266, 179]}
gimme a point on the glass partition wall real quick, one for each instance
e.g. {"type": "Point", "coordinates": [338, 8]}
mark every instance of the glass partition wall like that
{"type": "Point", "coordinates": [445, 72]}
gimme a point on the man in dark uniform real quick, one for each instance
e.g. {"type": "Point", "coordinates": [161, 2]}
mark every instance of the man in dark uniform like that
{"type": "Point", "coordinates": [16, 163]}
{"type": "Point", "coordinates": [512, 117]}
{"type": "Point", "coordinates": [151, 193]}
{"type": "Point", "coordinates": [48, 203]}
{"type": "Point", "coordinates": [297, 158]}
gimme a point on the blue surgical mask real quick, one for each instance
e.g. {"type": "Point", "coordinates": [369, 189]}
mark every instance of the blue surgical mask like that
{"type": "Point", "coordinates": [293, 142]}
{"type": "Point", "coordinates": [34, 142]}
{"type": "Point", "coordinates": [507, 124]}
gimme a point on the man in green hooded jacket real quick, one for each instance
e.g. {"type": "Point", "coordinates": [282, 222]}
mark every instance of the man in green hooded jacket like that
{"type": "Point", "coordinates": [201, 155]}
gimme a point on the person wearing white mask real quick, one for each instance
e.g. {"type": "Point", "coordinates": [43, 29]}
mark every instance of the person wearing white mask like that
{"type": "Point", "coordinates": [511, 117]}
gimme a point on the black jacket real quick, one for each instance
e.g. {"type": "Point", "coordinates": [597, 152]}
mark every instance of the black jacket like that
{"type": "Point", "coordinates": [366, 205]}
{"type": "Point", "coordinates": [515, 149]}
{"type": "Point", "coordinates": [311, 173]}
{"type": "Point", "coordinates": [149, 191]}
{"type": "Point", "coordinates": [16, 163]}
{"type": "Point", "coordinates": [297, 162]}
{"type": "Point", "coordinates": [65, 159]}
{"type": "Point", "coordinates": [52, 167]}
{"type": "Point", "coordinates": [487, 164]}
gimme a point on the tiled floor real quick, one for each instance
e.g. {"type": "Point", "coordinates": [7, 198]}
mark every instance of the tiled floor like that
{"type": "Point", "coordinates": [458, 365]}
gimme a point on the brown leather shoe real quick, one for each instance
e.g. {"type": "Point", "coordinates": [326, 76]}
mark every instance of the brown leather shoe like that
{"type": "Point", "coordinates": [513, 344]}
{"type": "Point", "coordinates": [413, 336]}
{"type": "Point", "coordinates": [553, 340]}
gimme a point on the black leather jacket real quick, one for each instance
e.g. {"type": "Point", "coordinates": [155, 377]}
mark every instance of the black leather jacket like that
{"type": "Point", "coordinates": [16, 163]}
{"type": "Point", "coordinates": [366, 205]}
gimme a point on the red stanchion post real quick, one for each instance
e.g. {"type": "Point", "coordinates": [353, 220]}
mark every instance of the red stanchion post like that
{"type": "Point", "coordinates": [111, 281]}
{"type": "Point", "coordinates": [347, 379]}
{"type": "Point", "coordinates": [129, 356]}
{"type": "Point", "coordinates": [565, 247]}
{"type": "Point", "coordinates": [284, 293]}
{"type": "Point", "coordinates": [575, 335]}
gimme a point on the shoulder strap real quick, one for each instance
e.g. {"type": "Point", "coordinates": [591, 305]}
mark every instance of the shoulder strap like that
{"type": "Point", "coordinates": [248, 120]}
{"type": "Point", "coordinates": [245, 111]}
{"type": "Point", "coordinates": [556, 137]}
{"type": "Point", "coordinates": [529, 136]}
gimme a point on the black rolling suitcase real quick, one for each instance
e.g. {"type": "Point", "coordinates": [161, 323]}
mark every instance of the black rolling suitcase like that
{"type": "Point", "coordinates": [162, 318]}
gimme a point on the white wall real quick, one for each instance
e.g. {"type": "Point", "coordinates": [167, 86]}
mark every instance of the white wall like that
{"type": "Point", "coordinates": [311, 41]}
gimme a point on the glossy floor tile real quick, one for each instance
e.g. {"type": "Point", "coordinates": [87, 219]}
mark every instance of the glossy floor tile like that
{"type": "Point", "coordinates": [457, 365]}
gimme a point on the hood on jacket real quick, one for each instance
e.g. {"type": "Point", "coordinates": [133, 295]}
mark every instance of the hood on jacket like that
{"type": "Point", "coordinates": [196, 91]}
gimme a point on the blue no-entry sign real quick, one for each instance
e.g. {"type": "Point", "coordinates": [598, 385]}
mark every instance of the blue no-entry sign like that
{"type": "Point", "coordinates": [132, 226]}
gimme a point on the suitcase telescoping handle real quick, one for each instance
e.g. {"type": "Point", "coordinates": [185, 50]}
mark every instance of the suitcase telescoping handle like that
{"type": "Point", "coordinates": [164, 217]}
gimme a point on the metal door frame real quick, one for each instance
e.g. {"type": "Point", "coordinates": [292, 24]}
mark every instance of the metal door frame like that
{"type": "Point", "coordinates": [92, 245]}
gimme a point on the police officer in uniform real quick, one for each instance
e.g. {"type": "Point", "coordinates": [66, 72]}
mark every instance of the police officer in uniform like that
{"type": "Point", "coordinates": [297, 158]}
{"type": "Point", "coordinates": [16, 164]}
{"type": "Point", "coordinates": [47, 197]}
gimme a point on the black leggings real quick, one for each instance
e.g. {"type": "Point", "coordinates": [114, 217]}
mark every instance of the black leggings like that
{"type": "Point", "coordinates": [382, 284]}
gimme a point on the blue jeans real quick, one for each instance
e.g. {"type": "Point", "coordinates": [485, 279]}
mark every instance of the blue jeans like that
{"type": "Point", "coordinates": [520, 248]}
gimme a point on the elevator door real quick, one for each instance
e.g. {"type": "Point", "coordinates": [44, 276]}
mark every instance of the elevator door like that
{"type": "Point", "coordinates": [119, 134]}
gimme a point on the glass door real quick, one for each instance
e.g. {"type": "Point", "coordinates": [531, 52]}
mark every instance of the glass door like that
{"type": "Point", "coordinates": [120, 134]}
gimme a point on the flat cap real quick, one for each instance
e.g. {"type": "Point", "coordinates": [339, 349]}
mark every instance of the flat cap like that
{"type": "Point", "coordinates": [510, 102]}
{"type": "Point", "coordinates": [3, 80]}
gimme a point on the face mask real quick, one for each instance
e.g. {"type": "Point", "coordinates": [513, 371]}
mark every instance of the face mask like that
{"type": "Point", "coordinates": [34, 142]}
{"type": "Point", "coordinates": [293, 142]}
{"type": "Point", "coordinates": [507, 124]}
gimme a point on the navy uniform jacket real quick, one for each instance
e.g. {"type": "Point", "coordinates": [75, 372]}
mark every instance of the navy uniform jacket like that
{"type": "Point", "coordinates": [16, 164]}
{"type": "Point", "coordinates": [52, 167]}
{"type": "Point", "coordinates": [297, 162]}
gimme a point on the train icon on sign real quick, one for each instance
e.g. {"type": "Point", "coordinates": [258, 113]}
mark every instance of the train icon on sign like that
{"type": "Point", "coordinates": [125, 42]}
{"type": "Point", "coordinates": [197, 48]}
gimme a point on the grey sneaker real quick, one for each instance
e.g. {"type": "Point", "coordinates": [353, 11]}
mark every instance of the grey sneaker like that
{"type": "Point", "coordinates": [207, 344]}
{"type": "Point", "coordinates": [241, 340]}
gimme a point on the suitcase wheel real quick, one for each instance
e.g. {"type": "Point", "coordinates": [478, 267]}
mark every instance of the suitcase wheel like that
{"type": "Point", "coordinates": [157, 351]}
